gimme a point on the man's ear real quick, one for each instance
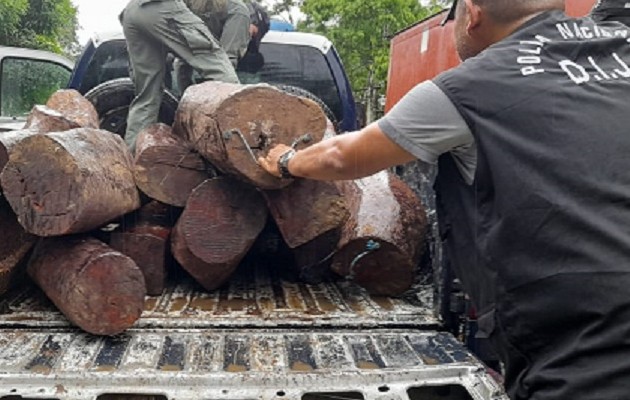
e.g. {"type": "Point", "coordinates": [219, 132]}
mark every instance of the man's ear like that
{"type": "Point", "coordinates": [475, 15]}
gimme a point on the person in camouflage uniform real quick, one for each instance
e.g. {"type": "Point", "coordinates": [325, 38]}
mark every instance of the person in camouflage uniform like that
{"type": "Point", "coordinates": [152, 28]}
{"type": "Point", "coordinates": [612, 10]}
{"type": "Point", "coordinates": [229, 22]}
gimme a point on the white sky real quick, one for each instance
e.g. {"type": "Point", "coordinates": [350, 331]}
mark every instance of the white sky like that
{"type": "Point", "coordinates": [98, 16]}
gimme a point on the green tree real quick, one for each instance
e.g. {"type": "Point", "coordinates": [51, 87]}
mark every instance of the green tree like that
{"type": "Point", "coordinates": [39, 24]}
{"type": "Point", "coordinates": [361, 30]}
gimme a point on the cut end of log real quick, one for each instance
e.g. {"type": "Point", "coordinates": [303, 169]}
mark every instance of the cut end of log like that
{"type": "Point", "coordinates": [69, 182]}
{"type": "Point", "coordinates": [220, 223]}
{"type": "Point", "coordinates": [383, 271]}
{"type": "Point", "coordinates": [232, 125]}
{"type": "Point", "coordinates": [97, 288]}
{"type": "Point", "coordinates": [167, 168]}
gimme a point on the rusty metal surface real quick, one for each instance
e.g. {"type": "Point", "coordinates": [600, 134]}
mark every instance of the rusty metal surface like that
{"type": "Point", "coordinates": [254, 297]}
{"type": "Point", "coordinates": [217, 364]}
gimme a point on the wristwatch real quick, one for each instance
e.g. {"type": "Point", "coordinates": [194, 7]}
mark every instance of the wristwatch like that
{"type": "Point", "coordinates": [283, 164]}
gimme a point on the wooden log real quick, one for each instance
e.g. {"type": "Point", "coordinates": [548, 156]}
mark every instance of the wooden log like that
{"type": "Point", "coordinates": [145, 237]}
{"type": "Point", "coordinates": [218, 118]}
{"type": "Point", "coordinates": [69, 182]}
{"type": "Point", "coordinates": [74, 107]}
{"type": "Point", "coordinates": [220, 223]}
{"type": "Point", "coordinates": [166, 167]}
{"type": "Point", "coordinates": [306, 210]}
{"type": "Point", "coordinates": [41, 120]}
{"type": "Point", "coordinates": [148, 249]}
{"type": "Point", "coordinates": [44, 119]}
{"type": "Point", "coordinates": [97, 288]}
{"type": "Point", "coordinates": [14, 247]}
{"type": "Point", "coordinates": [382, 241]}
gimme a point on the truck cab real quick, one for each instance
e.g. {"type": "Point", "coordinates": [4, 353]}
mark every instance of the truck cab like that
{"type": "Point", "coordinates": [305, 61]}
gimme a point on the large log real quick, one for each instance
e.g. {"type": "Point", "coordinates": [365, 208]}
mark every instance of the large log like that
{"type": "Point", "coordinates": [14, 246]}
{"type": "Point", "coordinates": [44, 119]}
{"type": "Point", "coordinates": [74, 107]}
{"type": "Point", "coordinates": [41, 120]}
{"type": "Point", "coordinates": [97, 288]}
{"type": "Point", "coordinates": [144, 236]}
{"type": "Point", "coordinates": [306, 210]}
{"type": "Point", "coordinates": [69, 182]}
{"type": "Point", "coordinates": [166, 167]}
{"type": "Point", "coordinates": [382, 241]}
{"type": "Point", "coordinates": [220, 223]}
{"type": "Point", "coordinates": [218, 118]}
{"type": "Point", "coordinates": [309, 215]}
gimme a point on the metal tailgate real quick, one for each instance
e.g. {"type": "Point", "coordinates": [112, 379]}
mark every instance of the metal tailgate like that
{"type": "Point", "coordinates": [237, 364]}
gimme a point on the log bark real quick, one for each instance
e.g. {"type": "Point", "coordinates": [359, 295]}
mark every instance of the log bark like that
{"type": "Point", "coordinates": [98, 289]}
{"type": "Point", "coordinates": [217, 118]}
{"type": "Point", "coordinates": [69, 182]}
{"type": "Point", "coordinates": [306, 210]}
{"type": "Point", "coordinates": [166, 167]}
{"type": "Point", "coordinates": [44, 119]}
{"type": "Point", "coordinates": [74, 107]}
{"type": "Point", "coordinates": [14, 247]}
{"type": "Point", "coordinates": [220, 223]}
{"type": "Point", "coordinates": [382, 241]}
{"type": "Point", "coordinates": [145, 237]}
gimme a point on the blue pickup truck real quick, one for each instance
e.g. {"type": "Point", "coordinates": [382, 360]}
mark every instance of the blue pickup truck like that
{"type": "Point", "coordinates": [301, 63]}
{"type": "Point", "coordinates": [261, 336]}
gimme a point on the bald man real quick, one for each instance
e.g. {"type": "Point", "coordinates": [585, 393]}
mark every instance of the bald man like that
{"type": "Point", "coordinates": [530, 134]}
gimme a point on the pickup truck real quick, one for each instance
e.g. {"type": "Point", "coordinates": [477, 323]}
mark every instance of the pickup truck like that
{"type": "Point", "coordinates": [265, 334]}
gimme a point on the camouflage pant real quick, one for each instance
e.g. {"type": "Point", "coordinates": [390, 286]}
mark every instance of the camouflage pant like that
{"type": "Point", "coordinates": [152, 28]}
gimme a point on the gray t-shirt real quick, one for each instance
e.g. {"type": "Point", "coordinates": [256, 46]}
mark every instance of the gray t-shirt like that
{"type": "Point", "coordinates": [427, 124]}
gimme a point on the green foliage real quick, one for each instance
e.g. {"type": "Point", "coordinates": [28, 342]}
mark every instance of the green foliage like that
{"type": "Point", "coordinates": [39, 24]}
{"type": "Point", "coordinates": [361, 30]}
{"type": "Point", "coordinates": [28, 82]}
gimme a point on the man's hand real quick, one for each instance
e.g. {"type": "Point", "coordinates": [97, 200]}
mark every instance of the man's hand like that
{"type": "Point", "coordinates": [270, 162]}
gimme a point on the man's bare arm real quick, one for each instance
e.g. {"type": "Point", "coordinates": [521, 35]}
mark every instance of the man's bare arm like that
{"type": "Point", "coordinates": [348, 156]}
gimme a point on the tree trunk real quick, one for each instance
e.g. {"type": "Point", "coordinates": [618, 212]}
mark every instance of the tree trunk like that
{"type": "Point", "coordinates": [217, 228]}
{"type": "Point", "coordinates": [14, 246]}
{"type": "Point", "coordinates": [167, 169]}
{"type": "Point", "coordinates": [74, 107]}
{"type": "Point", "coordinates": [382, 241]}
{"type": "Point", "coordinates": [306, 210]}
{"type": "Point", "coordinates": [218, 117]}
{"type": "Point", "coordinates": [69, 182]}
{"type": "Point", "coordinates": [43, 119]}
{"type": "Point", "coordinates": [98, 289]}
{"type": "Point", "coordinates": [144, 236]}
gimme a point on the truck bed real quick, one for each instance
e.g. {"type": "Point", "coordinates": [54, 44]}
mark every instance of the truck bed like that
{"type": "Point", "coordinates": [261, 337]}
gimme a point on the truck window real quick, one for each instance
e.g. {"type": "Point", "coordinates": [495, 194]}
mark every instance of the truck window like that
{"type": "Point", "coordinates": [301, 66]}
{"type": "Point", "coordinates": [110, 61]}
{"type": "Point", "coordinates": [26, 82]}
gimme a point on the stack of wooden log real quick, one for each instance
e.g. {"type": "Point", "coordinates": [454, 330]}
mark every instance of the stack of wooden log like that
{"type": "Point", "coordinates": [193, 193]}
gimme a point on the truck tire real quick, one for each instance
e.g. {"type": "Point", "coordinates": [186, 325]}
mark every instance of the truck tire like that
{"type": "Point", "coordinates": [298, 91]}
{"type": "Point", "coordinates": [112, 99]}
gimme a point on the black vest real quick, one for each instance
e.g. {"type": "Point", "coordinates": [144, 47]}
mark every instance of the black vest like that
{"type": "Point", "coordinates": [543, 234]}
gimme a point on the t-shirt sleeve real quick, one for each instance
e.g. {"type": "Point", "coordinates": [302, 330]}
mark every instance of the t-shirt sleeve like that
{"type": "Point", "coordinates": [426, 124]}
